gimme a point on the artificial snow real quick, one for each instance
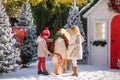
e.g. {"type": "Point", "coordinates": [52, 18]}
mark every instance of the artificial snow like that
{"type": "Point", "coordinates": [86, 72]}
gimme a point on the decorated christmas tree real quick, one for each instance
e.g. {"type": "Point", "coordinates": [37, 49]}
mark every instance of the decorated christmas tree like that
{"type": "Point", "coordinates": [74, 19]}
{"type": "Point", "coordinates": [8, 50]}
{"type": "Point", "coordinates": [28, 46]}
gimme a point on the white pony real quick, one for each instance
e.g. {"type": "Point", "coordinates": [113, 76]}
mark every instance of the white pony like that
{"type": "Point", "coordinates": [59, 58]}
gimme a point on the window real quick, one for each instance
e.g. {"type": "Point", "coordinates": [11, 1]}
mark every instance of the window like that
{"type": "Point", "coordinates": [99, 30]}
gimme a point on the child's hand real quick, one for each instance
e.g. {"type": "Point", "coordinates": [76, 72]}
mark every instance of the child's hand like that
{"type": "Point", "coordinates": [51, 55]}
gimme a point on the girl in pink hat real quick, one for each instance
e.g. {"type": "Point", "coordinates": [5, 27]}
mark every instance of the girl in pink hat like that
{"type": "Point", "coordinates": [43, 51]}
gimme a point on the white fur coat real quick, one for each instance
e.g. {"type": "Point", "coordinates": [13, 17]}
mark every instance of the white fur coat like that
{"type": "Point", "coordinates": [75, 47]}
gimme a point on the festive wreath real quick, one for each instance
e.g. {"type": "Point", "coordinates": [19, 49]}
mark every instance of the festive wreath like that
{"type": "Point", "coordinates": [114, 5]}
{"type": "Point", "coordinates": [99, 43]}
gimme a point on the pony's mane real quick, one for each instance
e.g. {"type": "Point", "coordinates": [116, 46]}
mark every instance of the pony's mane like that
{"type": "Point", "coordinates": [64, 32]}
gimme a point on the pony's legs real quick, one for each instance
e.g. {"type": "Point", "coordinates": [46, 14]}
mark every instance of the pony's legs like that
{"type": "Point", "coordinates": [68, 64]}
{"type": "Point", "coordinates": [57, 70]}
{"type": "Point", "coordinates": [65, 66]}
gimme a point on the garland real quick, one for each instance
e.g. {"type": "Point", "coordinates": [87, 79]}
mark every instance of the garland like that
{"type": "Point", "coordinates": [99, 43]}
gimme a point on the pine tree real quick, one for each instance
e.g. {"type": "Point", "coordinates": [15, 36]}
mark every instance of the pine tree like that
{"type": "Point", "coordinates": [25, 18]}
{"type": "Point", "coordinates": [8, 51]}
{"type": "Point", "coordinates": [74, 19]}
{"type": "Point", "coordinates": [28, 46]}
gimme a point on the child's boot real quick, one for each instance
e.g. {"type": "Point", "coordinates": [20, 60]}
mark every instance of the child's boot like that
{"type": "Point", "coordinates": [46, 72]}
{"type": "Point", "coordinates": [40, 72]}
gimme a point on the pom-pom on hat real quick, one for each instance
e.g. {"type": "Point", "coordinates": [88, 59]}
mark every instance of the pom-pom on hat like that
{"type": "Point", "coordinates": [45, 32]}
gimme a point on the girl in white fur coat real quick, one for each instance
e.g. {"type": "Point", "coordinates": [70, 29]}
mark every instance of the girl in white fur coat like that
{"type": "Point", "coordinates": [75, 51]}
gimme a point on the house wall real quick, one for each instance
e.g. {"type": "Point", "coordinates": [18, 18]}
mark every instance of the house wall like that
{"type": "Point", "coordinates": [99, 13]}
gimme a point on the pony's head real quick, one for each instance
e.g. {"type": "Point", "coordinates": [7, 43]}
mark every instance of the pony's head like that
{"type": "Point", "coordinates": [65, 32]}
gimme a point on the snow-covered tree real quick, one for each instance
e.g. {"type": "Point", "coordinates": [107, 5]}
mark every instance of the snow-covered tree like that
{"type": "Point", "coordinates": [28, 46]}
{"type": "Point", "coordinates": [8, 51]}
{"type": "Point", "coordinates": [25, 18]}
{"type": "Point", "coordinates": [74, 19]}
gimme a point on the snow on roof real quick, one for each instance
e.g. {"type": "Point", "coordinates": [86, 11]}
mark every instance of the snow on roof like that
{"type": "Point", "coordinates": [93, 8]}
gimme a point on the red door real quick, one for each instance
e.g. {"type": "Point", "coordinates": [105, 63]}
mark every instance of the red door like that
{"type": "Point", "coordinates": [115, 42]}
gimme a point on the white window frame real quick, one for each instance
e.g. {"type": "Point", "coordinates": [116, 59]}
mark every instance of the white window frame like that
{"type": "Point", "coordinates": [94, 29]}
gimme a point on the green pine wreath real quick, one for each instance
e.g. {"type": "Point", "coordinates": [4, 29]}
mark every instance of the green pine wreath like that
{"type": "Point", "coordinates": [101, 43]}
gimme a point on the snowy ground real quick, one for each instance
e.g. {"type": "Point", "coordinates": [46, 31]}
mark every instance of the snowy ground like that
{"type": "Point", "coordinates": [86, 72]}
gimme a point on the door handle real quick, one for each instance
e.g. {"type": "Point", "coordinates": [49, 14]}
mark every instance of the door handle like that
{"type": "Point", "coordinates": [112, 41]}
